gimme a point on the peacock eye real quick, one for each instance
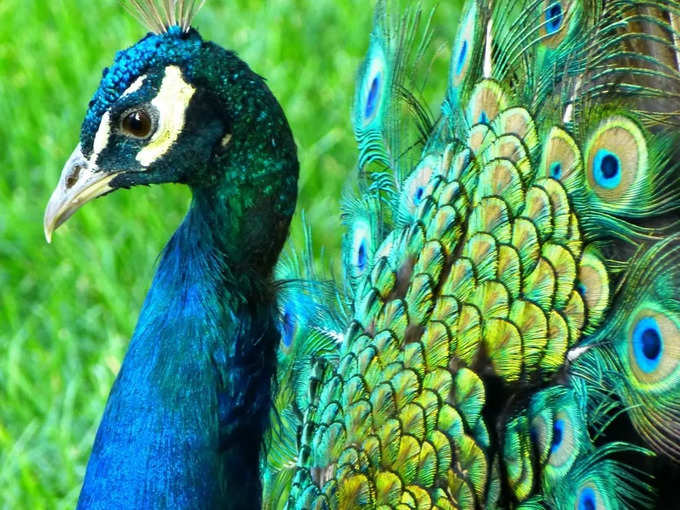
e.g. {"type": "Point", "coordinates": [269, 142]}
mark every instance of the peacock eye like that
{"type": "Point", "coordinates": [647, 344]}
{"type": "Point", "coordinates": [137, 124]}
{"type": "Point", "coordinates": [553, 17]}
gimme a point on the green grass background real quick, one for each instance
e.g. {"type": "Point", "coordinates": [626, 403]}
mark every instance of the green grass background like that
{"type": "Point", "coordinates": [67, 310]}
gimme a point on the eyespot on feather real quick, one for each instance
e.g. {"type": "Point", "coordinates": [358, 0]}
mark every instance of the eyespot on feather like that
{"type": "Point", "coordinates": [616, 161]}
{"type": "Point", "coordinates": [517, 121]}
{"type": "Point", "coordinates": [360, 217]}
{"type": "Point", "coordinates": [373, 86]}
{"type": "Point", "coordinates": [607, 169]}
{"type": "Point", "coordinates": [561, 156]}
{"type": "Point", "coordinates": [593, 285]}
{"type": "Point", "coordinates": [287, 327]}
{"type": "Point", "coordinates": [486, 102]}
{"type": "Point", "coordinates": [562, 451]}
{"type": "Point", "coordinates": [554, 19]}
{"type": "Point", "coordinates": [589, 498]}
{"type": "Point", "coordinates": [414, 189]}
{"type": "Point", "coordinates": [465, 46]}
{"type": "Point", "coordinates": [361, 245]}
{"type": "Point", "coordinates": [654, 348]}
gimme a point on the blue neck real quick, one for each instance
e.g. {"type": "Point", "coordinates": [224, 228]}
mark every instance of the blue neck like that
{"type": "Point", "coordinates": [183, 424]}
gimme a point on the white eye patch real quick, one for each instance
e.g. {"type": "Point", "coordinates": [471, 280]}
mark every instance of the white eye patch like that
{"type": "Point", "coordinates": [101, 138]}
{"type": "Point", "coordinates": [171, 103]}
{"type": "Point", "coordinates": [135, 86]}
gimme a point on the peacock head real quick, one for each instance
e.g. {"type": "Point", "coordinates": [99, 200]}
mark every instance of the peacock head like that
{"type": "Point", "coordinates": [175, 108]}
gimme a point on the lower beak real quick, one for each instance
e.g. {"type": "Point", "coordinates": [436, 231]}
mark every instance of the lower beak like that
{"type": "Point", "coordinates": [79, 183]}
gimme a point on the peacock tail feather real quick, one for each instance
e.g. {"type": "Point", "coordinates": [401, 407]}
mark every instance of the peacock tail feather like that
{"type": "Point", "coordinates": [511, 273]}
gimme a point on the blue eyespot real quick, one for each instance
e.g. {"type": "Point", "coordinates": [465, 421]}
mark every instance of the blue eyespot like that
{"type": "Point", "coordinates": [373, 96]}
{"type": "Point", "coordinates": [558, 435]}
{"type": "Point", "coordinates": [587, 499]}
{"type": "Point", "coordinates": [647, 344]}
{"type": "Point", "coordinates": [556, 170]}
{"type": "Point", "coordinates": [288, 328]}
{"type": "Point", "coordinates": [581, 289]}
{"type": "Point", "coordinates": [483, 118]}
{"type": "Point", "coordinates": [418, 195]}
{"type": "Point", "coordinates": [361, 256]}
{"type": "Point", "coordinates": [607, 169]}
{"type": "Point", "coordinates": [462, 56]}
{"type": "Point", "coordinates": [553, 18]}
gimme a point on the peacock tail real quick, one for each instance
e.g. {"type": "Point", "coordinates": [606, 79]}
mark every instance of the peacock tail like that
{"type": "Point", "coordinates": [507, 333]}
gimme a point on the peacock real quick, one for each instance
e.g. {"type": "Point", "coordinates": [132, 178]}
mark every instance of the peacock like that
{"type": "Point", "coordinates": [506, 332]}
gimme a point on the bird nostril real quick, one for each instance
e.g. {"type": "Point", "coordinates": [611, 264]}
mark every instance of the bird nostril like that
{"type": "Point", "coordinates": [73, 176]}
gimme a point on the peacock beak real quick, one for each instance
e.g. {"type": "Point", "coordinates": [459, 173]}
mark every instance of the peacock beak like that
{"type": "Point", "coordinates": [80, 182]}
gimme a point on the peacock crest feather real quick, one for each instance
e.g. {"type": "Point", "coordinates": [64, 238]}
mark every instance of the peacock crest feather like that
{"type": "Point", "coordinates": [159, 15]}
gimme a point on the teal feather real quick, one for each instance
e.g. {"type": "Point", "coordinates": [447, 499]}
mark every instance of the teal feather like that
{"type": "Point", "coordinates": [362, 219]}
{"type": "Point", "coordinates": [311, 312]}
{"type": "Point", "coordinates": [466, 55]}
{"type": "Point", "coordinates": [634, 354]}
{"type": "Point", "coordinates": [598, 481]}
{"type": "Point", "coordinates": [383, 98]}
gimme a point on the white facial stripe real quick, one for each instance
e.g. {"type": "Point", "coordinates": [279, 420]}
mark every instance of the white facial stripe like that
{"type": "Point", "coordinates": [172, 102]}
{"type": "Point", "coordinates": [101, 139]}
{"type": "Point", "coordinates": [135, 86]}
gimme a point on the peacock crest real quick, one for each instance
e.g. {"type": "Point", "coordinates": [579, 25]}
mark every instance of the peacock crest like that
{"type": "Point", "coordinates": [159, 15]}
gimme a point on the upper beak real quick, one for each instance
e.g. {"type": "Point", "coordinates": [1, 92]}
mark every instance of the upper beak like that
{"type": "Point", "coordinates": [79, 183]}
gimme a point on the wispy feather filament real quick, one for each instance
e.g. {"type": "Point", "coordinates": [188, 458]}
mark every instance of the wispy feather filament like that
{"type": "Point", "coordinates": [159, 15]}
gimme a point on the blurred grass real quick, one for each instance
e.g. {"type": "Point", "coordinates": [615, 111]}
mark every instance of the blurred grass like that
{"type": "Point", "coordinates": [68, 310]}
